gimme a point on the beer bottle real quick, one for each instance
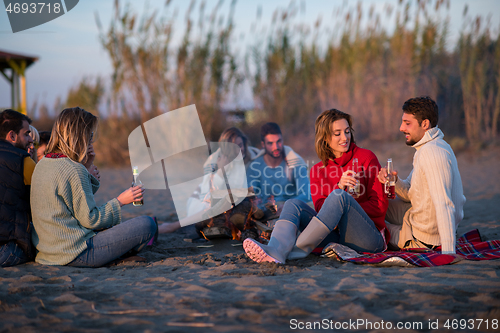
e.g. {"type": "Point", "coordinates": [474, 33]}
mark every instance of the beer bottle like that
{"type": "Point", "coordinates": [137, 182]}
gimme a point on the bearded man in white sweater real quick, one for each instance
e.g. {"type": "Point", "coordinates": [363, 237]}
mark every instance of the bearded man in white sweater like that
{"type": "Point", "coordinates": [429, 203]}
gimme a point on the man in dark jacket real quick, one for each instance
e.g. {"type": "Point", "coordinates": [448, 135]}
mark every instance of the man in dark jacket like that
{"type": "Point", "coordinates": [16, 168]}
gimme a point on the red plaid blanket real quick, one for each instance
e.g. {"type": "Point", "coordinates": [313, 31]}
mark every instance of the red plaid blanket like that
{"type": "Point", "coordinates": [469, 246]}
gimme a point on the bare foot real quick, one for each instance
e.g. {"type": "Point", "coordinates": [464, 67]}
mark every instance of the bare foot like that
{"type": "Point", "coordinates": [166, 228]}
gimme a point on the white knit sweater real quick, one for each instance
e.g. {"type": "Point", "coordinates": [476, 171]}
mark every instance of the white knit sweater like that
{"type": "Point", "coordinates": [434, 188]}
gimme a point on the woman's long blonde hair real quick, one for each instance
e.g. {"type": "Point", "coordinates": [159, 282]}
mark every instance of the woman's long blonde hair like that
{"type": "Point", "coordinates": [323, 130]}
{"type": "Point", "coordinates": [230, 135]}
{"type": "Point", "coordinates": [72, 133]}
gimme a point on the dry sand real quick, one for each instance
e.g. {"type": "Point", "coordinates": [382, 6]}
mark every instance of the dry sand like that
{"type": "Point", "coordinates": [185, 288]}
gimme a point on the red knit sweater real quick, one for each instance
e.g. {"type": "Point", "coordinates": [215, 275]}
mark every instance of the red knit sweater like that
{"type": "Point", "coordinates": [372, 199]}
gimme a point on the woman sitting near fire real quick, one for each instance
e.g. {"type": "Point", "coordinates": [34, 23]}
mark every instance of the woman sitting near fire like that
{"type": "Point", "coordinates": [66, 218]}
{"type": "Point", "coordinates": [355, 221]}
{"type": "Point", "coordinates": [231, 142]}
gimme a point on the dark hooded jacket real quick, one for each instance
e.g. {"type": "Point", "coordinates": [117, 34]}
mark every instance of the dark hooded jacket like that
{"type": "Point", "coordinates": [15, 214]}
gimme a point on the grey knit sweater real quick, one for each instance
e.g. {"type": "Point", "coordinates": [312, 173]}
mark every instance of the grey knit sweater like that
{"type": "Point", "coordinates": [64, 211]}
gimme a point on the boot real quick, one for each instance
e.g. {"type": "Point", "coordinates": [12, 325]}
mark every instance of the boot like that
{"type": "Point", "coordinates": [307, 241]}
{"type": "Point", "coordinates": [281, 243]}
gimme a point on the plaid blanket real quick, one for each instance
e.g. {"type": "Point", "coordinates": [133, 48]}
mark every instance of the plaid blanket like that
{"type": "Point", "coordinates": [469, 246]}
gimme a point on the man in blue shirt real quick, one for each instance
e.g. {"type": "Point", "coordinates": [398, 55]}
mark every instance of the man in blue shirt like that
{"type": "Point", "coordinates": [278, 171]}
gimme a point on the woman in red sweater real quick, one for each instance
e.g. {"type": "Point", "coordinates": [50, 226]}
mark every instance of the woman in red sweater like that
{"type": "Point", "coordinates": [355, 220]}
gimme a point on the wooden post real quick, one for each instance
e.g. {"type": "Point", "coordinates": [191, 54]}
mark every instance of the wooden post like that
{"type": "Point", "coordinates": [18, 85]}
{"type": "Point", "coordinates": [17, 64]}
{"type": "Point", "coordinates": [14, 90]}
{"type": "Point", "coordinates": [22, 87]}
{"type": "Point", "coordinates": [11, 83]}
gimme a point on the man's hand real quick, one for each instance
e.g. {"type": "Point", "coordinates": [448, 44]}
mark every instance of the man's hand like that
{"type": "Point", "coordinates": [382, 175]}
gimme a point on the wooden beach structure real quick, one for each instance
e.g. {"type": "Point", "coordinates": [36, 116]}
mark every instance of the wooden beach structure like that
{"type": "Point", "coordinates": [13, 67]}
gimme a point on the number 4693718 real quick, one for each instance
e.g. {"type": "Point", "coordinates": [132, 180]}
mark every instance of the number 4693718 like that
{"type": "Point", "coordinates": [32, 8]}
{"type": "Point", "coordinates": [473, 324]}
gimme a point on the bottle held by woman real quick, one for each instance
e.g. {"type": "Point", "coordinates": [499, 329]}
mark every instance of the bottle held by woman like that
{"type": "Point", "coordinates": [137, 182]}
{"type": "Point", "coordinates": [356, 189]}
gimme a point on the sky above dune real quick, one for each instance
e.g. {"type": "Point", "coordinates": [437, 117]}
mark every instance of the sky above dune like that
{"type": "Point", "coordinates": [68, 47]}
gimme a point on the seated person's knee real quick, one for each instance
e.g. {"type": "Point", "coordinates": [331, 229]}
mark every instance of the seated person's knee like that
{"type": "Point", "coordinates": [336, 194]}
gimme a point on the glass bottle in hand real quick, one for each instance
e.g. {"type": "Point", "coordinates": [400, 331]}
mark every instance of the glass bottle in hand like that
{"type": "Point", "coordinates": [355, 190]}
{"type": "Point", "coordinates": [137, 182]}
{"type": "Point", "coordinates": [390, 184]}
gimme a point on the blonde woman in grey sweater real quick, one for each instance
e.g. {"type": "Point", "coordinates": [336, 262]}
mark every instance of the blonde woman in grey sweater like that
{"type": "Point", "coordinates": [65, 215]}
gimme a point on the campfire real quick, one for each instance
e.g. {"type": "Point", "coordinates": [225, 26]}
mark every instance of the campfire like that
{"type": "Point", "coordinates": [245, 220]}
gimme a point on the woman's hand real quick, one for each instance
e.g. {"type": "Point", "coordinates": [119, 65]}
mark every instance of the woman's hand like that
{"type": "Point", "coordinates": [347, 179]}
{"type": "Point", "coordinates": [130, 195]}
{"type": "Point", "coordinates": [94, 172]}
{"type": "Point", "coordinates": [89, 160]}
{"type": "Point", "coordinates": [32, 151]}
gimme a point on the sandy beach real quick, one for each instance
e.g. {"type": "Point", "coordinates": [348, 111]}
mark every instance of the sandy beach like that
{"type": "Point", "coordinates": [185, 288]}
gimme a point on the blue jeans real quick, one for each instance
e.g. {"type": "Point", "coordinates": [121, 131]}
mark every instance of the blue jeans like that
{"type": "Point", "coordinates": [348, 223]}
{"type": "Point", "coordinates": [114, 242]}
{"type": "Point", "coordinates": [11, 254]}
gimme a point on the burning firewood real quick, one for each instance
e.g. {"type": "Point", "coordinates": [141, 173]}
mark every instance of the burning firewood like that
{"type": "Point", "coordinates": [245, 220]}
